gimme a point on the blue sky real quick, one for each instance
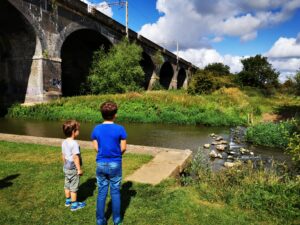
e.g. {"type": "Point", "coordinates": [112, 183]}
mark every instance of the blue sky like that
{"type": "Point", "coordinates": [219, 30]}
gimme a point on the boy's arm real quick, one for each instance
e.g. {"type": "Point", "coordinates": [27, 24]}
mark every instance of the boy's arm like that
{"type": "Point", "coordinates": [95, 145]}
{"type": "Point", "coordinates": [123, 146]}
{"type": "Point", "coordinates": [77, 164]}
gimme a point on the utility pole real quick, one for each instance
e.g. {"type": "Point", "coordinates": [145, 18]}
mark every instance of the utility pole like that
{"type": "Point", "coordinates": [127, 32]}
{"type": "Point", "coordinates": [121, 3]}
{"type": "Point", "coordinates": [177, 52]}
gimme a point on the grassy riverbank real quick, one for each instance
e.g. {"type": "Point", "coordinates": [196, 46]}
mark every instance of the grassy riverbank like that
{"type": "Point", "coordinates": [225, 107]}
{"type": "Point", "coordinates": [31, 193]}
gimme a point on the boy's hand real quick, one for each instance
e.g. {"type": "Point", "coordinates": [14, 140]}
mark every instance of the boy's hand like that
{"type": "Point", "coordinates": [80, 172]}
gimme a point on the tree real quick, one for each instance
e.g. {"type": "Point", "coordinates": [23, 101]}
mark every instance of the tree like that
{"type": "Point", "coordinates": [202, 83]}
{"type": "Point", "coordinates": [258, 72]}
{"type": "Point", "coordinates": [297, 84]}
{"type": "Point", "coordinates": [218, 68]}
{"type": "Point", "coordinates": [118, 71]}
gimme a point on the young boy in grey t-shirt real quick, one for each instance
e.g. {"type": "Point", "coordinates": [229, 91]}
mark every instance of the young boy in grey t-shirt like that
{"type": "Point", "coordinates": [72, 164]}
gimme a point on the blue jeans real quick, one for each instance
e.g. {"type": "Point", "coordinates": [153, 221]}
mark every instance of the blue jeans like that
{"type": "Point", "coordinates": [108, 173]}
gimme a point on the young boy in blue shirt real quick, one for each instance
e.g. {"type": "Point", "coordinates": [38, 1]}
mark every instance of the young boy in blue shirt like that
{"type": "Point", "coordinates": [72, 164]}
{"type": "Point", "coordinates": [109, 141]}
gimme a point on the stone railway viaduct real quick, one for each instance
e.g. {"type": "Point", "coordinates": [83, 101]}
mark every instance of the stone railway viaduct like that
{"type": "Point", "coordinates": [46, 48]}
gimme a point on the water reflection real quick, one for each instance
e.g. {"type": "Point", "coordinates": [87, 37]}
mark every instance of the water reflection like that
{"type": "Point", "coordinates": [160, 135]}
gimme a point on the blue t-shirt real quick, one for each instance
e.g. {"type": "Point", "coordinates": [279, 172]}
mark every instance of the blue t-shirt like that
{"type": "Point", "coordinates": [109, 136]}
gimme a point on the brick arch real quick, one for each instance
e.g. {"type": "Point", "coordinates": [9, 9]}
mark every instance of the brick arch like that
{"type": "Point", "coordinates": [148, 68]}
{"type": "Point", "coordinates": [166, 74]}
{"type": "Point", "coordinates": [18, 57]}
{"type": "Point", "coordinates": [182, 75]}
{"type": "Point", "coordinates": [73, 27]}
{"type": "Point", "coordinates": [76, 58]}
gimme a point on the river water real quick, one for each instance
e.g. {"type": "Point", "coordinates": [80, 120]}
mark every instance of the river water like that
{"type": "Point", "coordinates": [160, 135]}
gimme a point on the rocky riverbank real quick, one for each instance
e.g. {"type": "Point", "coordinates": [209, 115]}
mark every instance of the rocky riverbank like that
{"type": "Point", "coordinates": [232, 152]}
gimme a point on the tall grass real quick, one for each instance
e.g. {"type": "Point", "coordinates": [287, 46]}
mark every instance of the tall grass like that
{"type": "Point", "coordinates": [270, 191]}
{"type": "Point", "coordinates": [271, 134]}
{"type": "Point", "coordinates": [225, 107]}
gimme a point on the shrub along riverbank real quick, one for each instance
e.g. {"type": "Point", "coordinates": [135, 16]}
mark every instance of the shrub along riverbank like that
{"type": "Point", "coordinates": [271, 191]}
{"type": "Point", "coordinates": [225, 107]}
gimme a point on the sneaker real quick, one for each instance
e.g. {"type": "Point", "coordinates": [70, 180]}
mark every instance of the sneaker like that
{"type": "Point", "coordinates": [68, 202]}
{"type": "Point", "coordinates": [77, 205]}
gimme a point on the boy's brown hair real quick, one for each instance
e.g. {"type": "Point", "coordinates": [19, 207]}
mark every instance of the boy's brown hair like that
{"type": "Point", "coordinates": [108, 110]}
{"type": "Point", "coordinates": [69, 126]}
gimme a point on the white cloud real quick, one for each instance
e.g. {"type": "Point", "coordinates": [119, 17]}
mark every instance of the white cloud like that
{"type": "Point", "coordinates": [101, 6]}
{"type": "Point", "coordinates": [284, 55]}
{"type": "Point", "coordinates": [202, 57]}
{"type": "Point", "coordinates": [285, 47]}
{"type": "Point", "coordinates": [193, 22]}
{"type": "Point", "coordinates": [286, 62]}
{"type": "Point", "coordinates": [292, 64]}
{"type": "Point", "coordinates": [196, 24]}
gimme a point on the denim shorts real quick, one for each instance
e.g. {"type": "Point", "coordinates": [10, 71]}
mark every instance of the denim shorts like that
{"type": "Point", "coordinates": [71, 180]}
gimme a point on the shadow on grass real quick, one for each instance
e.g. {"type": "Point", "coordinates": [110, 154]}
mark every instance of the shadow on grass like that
{"type": "Point", "coordinates": [86, 189]}
{"type": "Point", "coordinates": [288, 111]}
{"type": "Point", "coordinates": [126, 195]}
{"type": "Point", "coordinates": [6, 182]}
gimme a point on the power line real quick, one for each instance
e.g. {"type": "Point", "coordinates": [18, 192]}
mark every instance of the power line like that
{"type": "Point", "coordinates": [122, 4]}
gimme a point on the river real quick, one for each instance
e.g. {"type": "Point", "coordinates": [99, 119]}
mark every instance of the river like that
{"type": "Point", "coordinates": [160, 135]}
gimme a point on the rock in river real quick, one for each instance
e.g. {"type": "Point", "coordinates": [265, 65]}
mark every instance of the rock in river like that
{"type": "Point", "coordinates": [221, 147]}
{"type": "Point", "coordinates": [213, 154]}
{"type": "Point", "coordinates": [206, 145]}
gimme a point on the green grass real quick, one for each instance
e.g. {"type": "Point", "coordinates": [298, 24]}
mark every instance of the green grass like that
{"type": "Point", "coordinates": [271, 134]}
{"type": "Point", "coordinates": [31, 192]}
{"type": "Point", "coordinates": [272, 191]}
{"type": "Point", "coordinates": [225, 107]}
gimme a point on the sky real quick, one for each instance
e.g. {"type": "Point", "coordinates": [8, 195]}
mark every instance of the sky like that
{"type": "Point", "coordinates": [226, 31]}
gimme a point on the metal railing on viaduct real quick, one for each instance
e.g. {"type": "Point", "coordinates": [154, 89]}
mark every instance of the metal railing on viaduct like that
{"type": "Point", "coordinates": [46, 48]}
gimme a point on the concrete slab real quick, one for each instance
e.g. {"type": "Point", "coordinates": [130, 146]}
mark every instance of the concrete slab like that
{"type": "Point", "coordinates": [166, 162]}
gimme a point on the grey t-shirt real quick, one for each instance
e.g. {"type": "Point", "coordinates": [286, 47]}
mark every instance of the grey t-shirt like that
{"type": "Point", "coordinates": [69, 149]}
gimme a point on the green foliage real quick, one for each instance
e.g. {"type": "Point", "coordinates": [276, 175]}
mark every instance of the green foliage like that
{"type": "Point", "coordinates": [218, 69]}
{"type": "Point", "coordinates": [258, 72]}
{"type": "Point", "coordinates": [271, 134]}
{"type": "Point", "coordinates": [294, 147]}
{"type": "Point", "coordinates": [288, 86]}
{"type": "Point", "coordinates": [205, 82]}
{"type": "Point", "coordinates": [157, 58]}
{"type": "Point", "coordinates": [224, 107]}
{"type": "Point", "coordinates": [157, 86]}
{"type": "Point", "coordinates": [118, 71]}
{"type": "Point", "coordinates": [202, 83]}
{"type": "Point", "coordinates": [292, 85]}
{"type": "Point", "coordinates": [297, 83]}
{"type": "Point", "coordinates": [269, 191]}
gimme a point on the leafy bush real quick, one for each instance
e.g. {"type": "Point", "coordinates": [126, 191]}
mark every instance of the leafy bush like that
{"type": "Point", "coordinates": [202, 83]}
{"type": "Point", "coordinates": [294, 147]}
{"type": "Point", "coordinates": [270, 191]}
{"type": "Point", "coordinates": [118, 71]}
{"type": "Point", "coordinates": [271, 134]}
{"type": "Point", "coordinates": [205, 82]}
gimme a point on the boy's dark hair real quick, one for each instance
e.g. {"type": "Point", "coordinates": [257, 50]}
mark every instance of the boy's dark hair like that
{"type": "Point", "coordinates": [108, 110]}
{"type": "Point", "coordinates": [69, 126]}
